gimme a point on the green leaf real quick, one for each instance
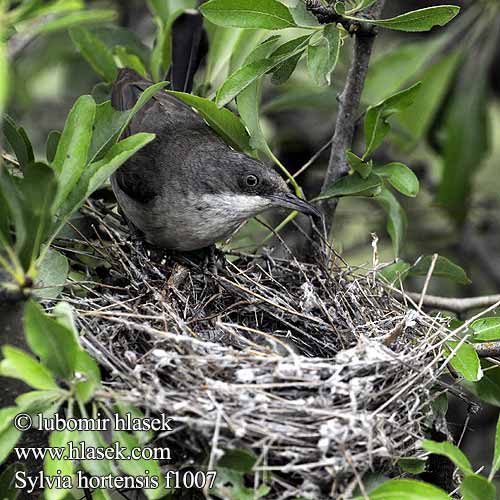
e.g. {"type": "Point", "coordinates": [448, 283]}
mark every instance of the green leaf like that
{"type": "Point", "coordinates": [54, 467]}
{"type": "Point", "coordinates": [4, 77]}
{"type": "Point", "coordinates": [443, 268]}
{"type": "Point", "coordinates": [166, 8]}
{"type": "Point", "coordinates": [18, 141]}
{"type": "Point", "coordinates": [86, 17]}
{"type": "Point", "coordinates": [8, 439]}
{"type": "Point", "coordinates": [476, 487]}
{"type": "Point", "coordinates": [238, 460]}
{"type": "Point", "coordinates": [396, 218]}
{"type": "Point", "coordinates": [406, 489]}
{"type": "Point", "coordinates": [332, 34]}
{"type": "Point", "coordinates": [450, 451]}
{"type": "Point", "coordinates": [352, 185]}
{"type": "Point", "coordinates": [223, 121]}
{"type": "Point", "coordinates": [113, 36]}
{"type": "Point", "coordinates": [110, 123]}
{"type": "Point", "coordinates": [318, 57]}
{"type": "Point", "coordinates": [418, 118]}
{"type": "Point", "coordinates": [464, 144]}
{"type": "Point", "coordinates": [465, 361]}
{"type": "Point", "coordinates": [486, 329]}
{"type": "Point", "coordinates": [400, 177]}
{"type": "Point", "coordinates": [18, 364]}
{"type": "Point", "coordinates": [284, 71]}
{"type": "Point", "coordinates": [420, 20]}
{"type": "Point", "coordinates": [161, 55]}
{"type": "Point", "coordinates": [395, 272]}
{"type": "Point", "coordinates": [30, 204]}
{"type": "Point", "coordinates": [248, 101]}
{"type": "Point", "coordinates": [38, 401]}
{"type": "Point", "coordinates": [138, 467]}
{"type": "Point", "coordinates": [95, 467]}
{"type": "Point", "coordinates": [54, 343]}
{"type": "Point", "coordinates": [495, 465]}
{"type": "Point", "coordinates": [97, 172]}
{"type": "Point", "coordinates": [159, 8]}
{"type": "Point", "coordinates": [64, 314]}
{"type": "Point", "coordinates": [243, 78]}
{"type": "Point", "coordinates": [51, 146]}
{"type": "Point", "coordinates": [95, 52]}
{"type": "Point", "coordinates": [245, 45]}
{"type": "Point", "coordinates": [72, 150]}
{"type": "Point", "coordinates": [412, 465]}
{"type": "Point", "coordinates": [363, 168]}
{"type": "Point", "coordinates": [340, 8]}
{"type": "Point", "coordinates": [376, 124]}
{"type": "Point", "coordinates": [302, 16]}
{"type": "Point", "coordinates": [388, 73]}
{"type": "Point", "coordinates": [128, 59]}
{"type": "Point", "coordinates": [222, 45]}
{"type": "Point", "coordinates": [144, 437]}
{"type": "Point", "coordinates": [6, 415]}
{"type": "Point", "coordinates": [53, 270]}
{"type": "Point", "coordinates": [488, 388]}
{"type": "Point", "coordinates": [323, 55]}
{"type": "Point", "coordinates": [264, 14]}
{"type": "Point", "coordinates": [87, 369]}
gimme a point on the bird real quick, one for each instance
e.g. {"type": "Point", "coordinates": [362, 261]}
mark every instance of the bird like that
{"type": "Point", "coordinates": [188, 189]}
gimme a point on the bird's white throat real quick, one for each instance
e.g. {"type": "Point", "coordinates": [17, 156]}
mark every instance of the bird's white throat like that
{"type": "Point", "coordinates": [229, 205]}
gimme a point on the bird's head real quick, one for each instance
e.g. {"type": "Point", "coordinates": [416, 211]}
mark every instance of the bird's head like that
{"type": "Point", "coordinates": [247, 187]}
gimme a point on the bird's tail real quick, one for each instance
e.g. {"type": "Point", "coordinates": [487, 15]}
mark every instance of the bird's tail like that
{"type": "Point", "coordinates": [189, 47]}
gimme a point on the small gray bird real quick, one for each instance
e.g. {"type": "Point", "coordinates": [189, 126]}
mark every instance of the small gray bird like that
{"type": "Point", "coordinates": [188, 189]}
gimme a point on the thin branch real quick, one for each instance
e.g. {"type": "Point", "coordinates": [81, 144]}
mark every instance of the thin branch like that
{"type": "Point", "coordinates": [455, 304]}
{"type": "Point", "coordinates": [488, 349]}
{"type": "Point", "coordinates": [349, 102]}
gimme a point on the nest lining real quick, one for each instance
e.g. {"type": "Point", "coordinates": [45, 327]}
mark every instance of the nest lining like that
{"type": "Point", "coordinates": [284, 358]}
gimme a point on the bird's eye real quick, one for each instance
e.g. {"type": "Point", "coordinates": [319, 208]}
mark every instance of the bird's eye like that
{"type": "Point", "coordinates": [252, 180]}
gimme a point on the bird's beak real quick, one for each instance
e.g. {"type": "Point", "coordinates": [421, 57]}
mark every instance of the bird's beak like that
{"type": "Point", "coordinates": [289, 200]}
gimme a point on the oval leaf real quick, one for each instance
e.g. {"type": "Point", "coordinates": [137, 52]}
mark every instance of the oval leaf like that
{"type": "Point", "coordinates": [52, 274]}
{"type": "Point", "coordinates": [443, 268]}
{"type": "Point", "coordinates": [223, 121]}
{"type": "Point", "coordinates": [486, 329]}
{"type": "Point", "coordinates": [20, 365]}
{"type": "Point", "coordinates": [376, 124]}
{"type": "Point", "coordinates": [406, 489]}
{"type": "Point", "coordinates": [55, 344]}
{"type": "Point", "coordinates": [243, 78]}
{"type": "Point", "coordinates": [351, 185]}
{"type": "Point", "coordinates": [466, 361]}
{"type": "Point", "coordinates": [95, 52]}
{"type": "Point", "coordinates": [450, 451]}
{"type": "Point", "coordinates": [396, 218]}
{"type": "Point", "coordinates": [400, 177]}
{"type": "Point", "coordinates": [420, 20]}
{"type": "Point", "coordinates": [476, 487]}
{"type": "Point", "coordinates": [264, 14]}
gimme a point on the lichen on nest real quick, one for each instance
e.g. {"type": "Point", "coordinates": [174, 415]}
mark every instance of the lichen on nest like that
{"type": "Point", "coordinates": [321, 372]}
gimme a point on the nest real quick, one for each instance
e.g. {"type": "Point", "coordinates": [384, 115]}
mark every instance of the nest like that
{"type": "Point", "coordinates": [320, 372]}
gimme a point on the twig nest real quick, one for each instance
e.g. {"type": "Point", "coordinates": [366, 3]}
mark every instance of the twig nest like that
{"type": "Point", "coordinates": [288, 360]}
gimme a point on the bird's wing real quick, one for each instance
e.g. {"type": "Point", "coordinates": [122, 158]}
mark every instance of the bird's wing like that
{"type": "Point", "coordinates": [163, 115]}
